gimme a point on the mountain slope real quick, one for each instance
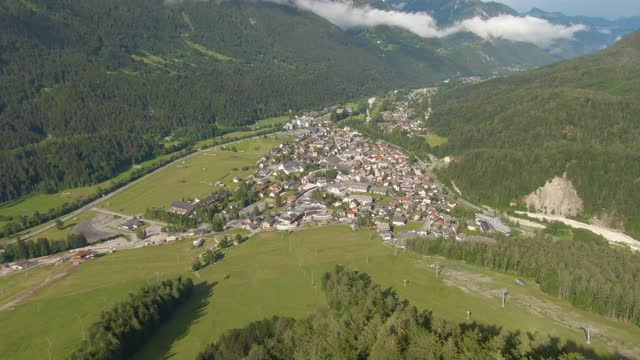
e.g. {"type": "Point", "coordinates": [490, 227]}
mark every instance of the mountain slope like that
{"type": "Point", "coordinates": [447, 12]}
{"type": "Point", "coordinates": [600, 32]}
{"type": "Point", "coordinates": [79, 76]}
{"type": "Point", "coordinates": [578, 117]}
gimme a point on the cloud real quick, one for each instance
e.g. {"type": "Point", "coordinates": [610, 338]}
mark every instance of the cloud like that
{"type": "Point", "coordinates": [526, 29]}
{"type": "Point", "coordinates": [514, 28]}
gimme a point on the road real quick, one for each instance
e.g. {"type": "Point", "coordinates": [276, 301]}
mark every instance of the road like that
{"type": "Point", "coordinates": [441, 186]}
{"type": "Point", "coordinates": [106, 197]}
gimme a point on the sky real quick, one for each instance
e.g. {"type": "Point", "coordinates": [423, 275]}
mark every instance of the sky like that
{"type": "Point", "coordinates": [600, 8]}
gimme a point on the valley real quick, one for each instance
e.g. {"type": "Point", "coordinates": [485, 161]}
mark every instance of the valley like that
{"type": "Point", "coordinates": [319, 179]}
{"type": "Point", "coordinates": [283, 268]}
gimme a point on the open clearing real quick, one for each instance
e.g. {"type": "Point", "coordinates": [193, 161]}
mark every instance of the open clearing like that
{"type": "Point", "coordinates": [278, 274]}
{"type": "Point", "coordinates": [436, 140]}
{"type": "Point", "coordinates": [191, 177]}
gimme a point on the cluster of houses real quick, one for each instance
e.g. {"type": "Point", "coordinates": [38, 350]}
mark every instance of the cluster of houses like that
{"type": "Point", "coordinates": [404, 118]}
{"type": "Point", "coordinates": [333, 174]}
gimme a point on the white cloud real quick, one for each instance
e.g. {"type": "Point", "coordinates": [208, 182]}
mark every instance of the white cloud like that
{"type": "Point", "coordinates": [526, 29]}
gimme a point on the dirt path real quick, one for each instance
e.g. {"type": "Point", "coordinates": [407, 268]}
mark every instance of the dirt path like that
{"type": "Point", "coordinates": [527, 223]}
{"type": "Point", "coordinates": [486, 287]}
{"type": "Point", "coordinates": [611, 235]}
{"type": "Point", "coordinates": [29, 293]}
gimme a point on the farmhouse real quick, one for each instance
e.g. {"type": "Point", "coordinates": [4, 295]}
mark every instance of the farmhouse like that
{"type": "Point", "coordinates": [132, 224]}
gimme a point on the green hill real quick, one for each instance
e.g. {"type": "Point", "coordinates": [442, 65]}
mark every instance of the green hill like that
{"type": "Point", "coordinates": [579, 117]}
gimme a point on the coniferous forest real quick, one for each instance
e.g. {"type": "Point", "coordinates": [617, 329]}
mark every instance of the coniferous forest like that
{"type": "Point", "coordinates": [579, 117]}
{"type": "Point", "coordinates": [88, 88]}
{"type": "Point", "coordinates": [589, 274]}
{"type": "Point", "coordinates": [122, 330]}
{"type": "Point", "coordinates": [365, 321]}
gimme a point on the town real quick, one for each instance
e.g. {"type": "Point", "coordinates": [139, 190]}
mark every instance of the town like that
{"type": "Point", "coordinates": [324, 173]}
{"type": "Point", "coordinates": [334, 175]}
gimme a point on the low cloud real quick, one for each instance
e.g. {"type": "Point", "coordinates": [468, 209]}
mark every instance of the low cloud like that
{"type": "Point", "coordinates": [507, 27]}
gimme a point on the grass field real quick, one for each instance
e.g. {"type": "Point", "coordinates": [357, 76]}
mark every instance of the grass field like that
{"type": "Point", "coordinates": [270, 122]}
{"type": "Point", "coordinates": [28, 205]}
{"type": "Point", "coordinates": [193, 177]}
{"type": "Point", "coordinates": [436, 140]}
{"type": "Point", "coordinates": [271, 274]}
{"type": "Point", "coordinates": [15, 284]}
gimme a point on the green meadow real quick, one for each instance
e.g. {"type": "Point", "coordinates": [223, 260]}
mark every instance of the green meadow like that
{"type": "Point", "coordinates": [278, 274]}
{"type": "Point", "coordinates": [42, 203]}
{"type": "Point", "coordinates": [436, 140]}
{"type": "Point", "coordinates": [192, 177]}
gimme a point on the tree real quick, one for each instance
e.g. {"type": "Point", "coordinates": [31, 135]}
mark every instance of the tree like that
{"type": "Point", "coordinates": [224, 243]}
{"type": "Point", "coordinates": [59, 224]}
{"type": "Point", "coordinates": [76, 241]}
{"type": "Point", "coordinates": [217, 224]}
{"type": "Point", "coordinates": [21, 252]}
{"type": "Point", "coordinates": [141, 233]}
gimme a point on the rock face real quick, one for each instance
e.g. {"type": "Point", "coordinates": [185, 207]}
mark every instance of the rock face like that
{"type": "Point", "coordinates": [558, 197]}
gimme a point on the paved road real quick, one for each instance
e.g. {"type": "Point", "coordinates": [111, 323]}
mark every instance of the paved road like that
{"type": "Point", "coordinates": [106, 197]}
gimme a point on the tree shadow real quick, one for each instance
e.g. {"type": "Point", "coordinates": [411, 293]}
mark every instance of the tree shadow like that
{"type": "Point", "coordinates": [551, 347]}
{"type": "Point", "coordinates": [177, 328]}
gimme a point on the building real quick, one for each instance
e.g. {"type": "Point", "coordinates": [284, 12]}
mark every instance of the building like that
{"type": "Point", "coordinates": [364, 200]}
{"type": "Point", "coordinates": [291, 167]}
{"type": "Point", "coordinates": [198, 243]}
{"type": "Point", "coordinates": [399, 220]}
{"type": "Point", "coordinates": [491, 224]}
{"type": "Point", "coordinates": [132, 224]}
{"type": "Point", "coordinates": [212, 199]}
{"type": "Point", "coordinates": [356, 186]}
{"type": "Point", "coordinates": [182, 208]}
{"type": "Point", "coordinates": [84, 255]}
{"type": "Point", "coordinates": [23, 264]}
{"type": "Point", "coordinates": [379, 190]}
{"type": "Point", "coordinates": [471, 225]}
{"type": "Point", "coordinates": [291, 217]}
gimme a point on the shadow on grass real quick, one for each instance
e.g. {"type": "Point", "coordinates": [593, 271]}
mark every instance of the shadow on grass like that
{"type": "Point", "coordinates": [159, 347]}
{"type": "Point", "coordinates": [550, 347]}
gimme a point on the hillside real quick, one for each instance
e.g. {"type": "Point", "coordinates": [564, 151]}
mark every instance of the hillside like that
{"type": "Point", "coordinates": [89, 88]}
{"type": "Point", "coordinates": [578, 117]}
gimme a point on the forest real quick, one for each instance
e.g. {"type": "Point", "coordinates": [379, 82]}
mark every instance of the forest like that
{"type": "Point", "coordinates": [365, 321]}
{"type": "Point", "coordinates": [585, 271]}
{"type": "Point", "coordinates": [89, 88]}
{"type": "Point", "coordinates": [579, 117]}
{"type": "Point", "coordinates": [29, 249]}
{"type": "Point", "coordinates": [122, 330]}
